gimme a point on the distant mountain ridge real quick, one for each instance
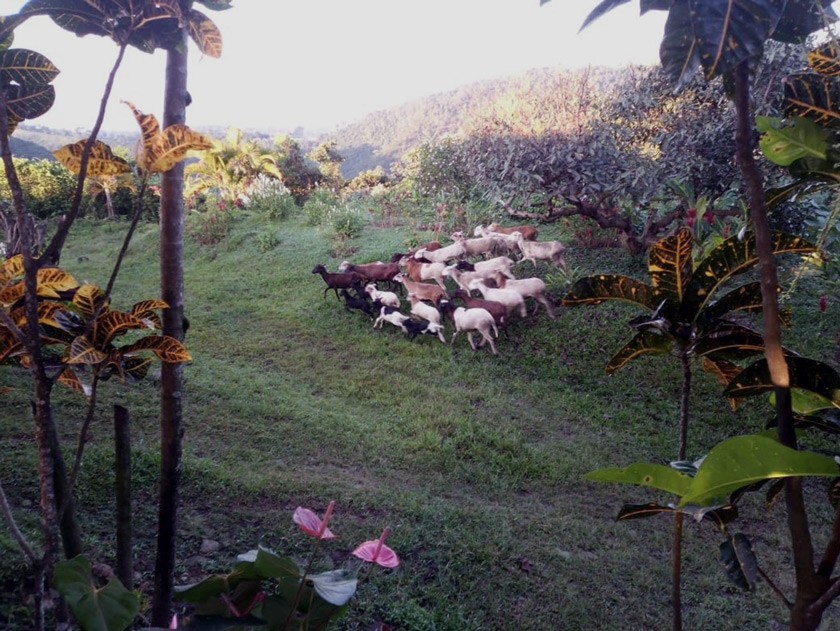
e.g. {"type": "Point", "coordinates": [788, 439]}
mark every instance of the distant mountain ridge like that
{"type": "Point", "coordinates": [383, 137]}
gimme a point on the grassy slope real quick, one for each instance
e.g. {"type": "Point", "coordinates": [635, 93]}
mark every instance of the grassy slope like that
{"type": "Point", "coordinates": [474, 461]}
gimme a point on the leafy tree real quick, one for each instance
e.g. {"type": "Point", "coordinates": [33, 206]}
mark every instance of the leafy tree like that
{"type": "Point", "coordinates": [724, 39]}
{"type": "Point", "coordinates": [231, 168]}
{"type": "Point", "coordinates": [689, 321]}
{"type": "Point", "coordinates": [329, 160]}
{"type": "Point", "coordinates": [299, 176]}
{"type": "Point", "coordinates": [25, 93]}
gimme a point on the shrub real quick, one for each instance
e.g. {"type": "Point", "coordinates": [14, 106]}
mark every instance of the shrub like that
{"type": "Point", "coordinates": [48, 187]}
{"type": "Point", "coordinates": [267, 240]}
{"type": "Point", "coordinates": [209, 228]}
{"type": "Point", "coordinates": [318, 206]}
{"type": "Point", "coordinates": [346, 223]}
{"type": "Point", "coordinates": [271, 198]}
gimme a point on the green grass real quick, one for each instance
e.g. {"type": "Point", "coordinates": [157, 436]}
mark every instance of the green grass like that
{"type": "Point", "coordinates": [474, 461]}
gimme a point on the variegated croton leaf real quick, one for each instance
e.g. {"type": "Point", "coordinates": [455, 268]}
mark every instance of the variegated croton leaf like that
{"type": "Point", "coordinates": [102, 160]}
{"type": "Point", "coordinates": [670, 264]}
{"type": "Point", "coordinates": [162, 150]}
{"type": "Point", "coordinates": [814, 97]}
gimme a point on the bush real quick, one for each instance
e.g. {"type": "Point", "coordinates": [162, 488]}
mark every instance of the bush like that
{"type": "Point", "coordinates": [271, 198]}
{"type": "Point", "coordinates": [347, 223]}
{"type": "Point", "coordinates": [267, 240]}
{"type": "Point", "coordinates": [48, 187]}
{"type": "Point", "coordinates": [319, 205]}
{"type": "Point", "coordinates": [210, 227]}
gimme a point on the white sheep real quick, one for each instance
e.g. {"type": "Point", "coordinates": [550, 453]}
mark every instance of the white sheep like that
{"type": "Point", "coordinates": [388, 298]}
{"type": "Point", "coordinates": [501, 264]}
{"type": "Point", "coordinates": [441, 255]}
{"type": "Point", "coordinates": [470, 320]}
{"type": "Point", "coordinates": [510, 298]}
{"type": "Point", "coordinates": [389, 314]}
{"type": "Point", "coordinates": [542, 250]}
{"type": "Point", "coordinates": [483, 246]}
{"type": "Point", "coordinates": [463, 277]}
{"type": "Point", "coordinates": [423, 310]}
{"type": "Point", "coordinates": [529, 288]}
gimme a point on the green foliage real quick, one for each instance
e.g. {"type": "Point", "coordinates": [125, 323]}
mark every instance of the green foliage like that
{"type": "Point", "coordinates": [108, 608]}
{"type": "Point", "coordinates": [48, 187]}
{"type": "Point", "coordinates": [267, 240]}
{"type": "Point", "coordinates": [347, 223]}
{"type": "Point", "coordinates": [318, 206]}
{"type": "Point", "coordinates": [211, 227]}
{"type": "Point", "coordinates": [271, 198]}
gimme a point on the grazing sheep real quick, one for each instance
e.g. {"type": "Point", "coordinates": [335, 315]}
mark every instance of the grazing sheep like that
{"type": "Point", "coordinates": [540, 250]}
{"type": "Point", "coordinates": [508, 297]}
{"type": "Point", "coordinates": [529, 233]}
{"type": "Point", "coordinates": [470, 320]}
{"type": "Point", "coordinates": [454, 251]}
{"type": "Point", "coordinates": [359, 303]}
{"type": "Point", "coordinates": [529, 288]}
{"type": "Point", "coordinates": [423, 291]}
{"type": "Point", "coordinates": [374, 272]}
{"type": "Point", "coordinates": [418, 271]}
{"type": "Point", "coordinates": [387, 298]}
{"type": "Point", "coordinates": [342, 280]}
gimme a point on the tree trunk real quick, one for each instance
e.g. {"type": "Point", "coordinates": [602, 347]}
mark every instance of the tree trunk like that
{"type": "Point", "coordinates": [172, 291]}
{"type": "Point", "coordinates": [122, 466]}
{"type": "Point", "coordinates": [809, 586]}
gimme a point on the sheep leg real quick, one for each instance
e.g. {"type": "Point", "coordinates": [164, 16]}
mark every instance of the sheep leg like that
{"type": "Point", "coordinates": [454, 335]}
{"type": "Point", "coordinates": [523, 310]}
{"type": "Point", "coordinates": [470, 338]}
{"type": "Point", "coordinates": [487, 338]}
{"type": "Point", "coordinates": [547, 304]}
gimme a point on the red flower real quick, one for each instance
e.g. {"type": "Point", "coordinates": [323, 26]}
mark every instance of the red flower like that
{"type": "Point", "coordinates": [377, 552]}
{"type": "Point", "coordinates": [692, 217]}
{"type": "Point", "coordinates": [710, 218]}
{"type": "Point", "coordinates": [312, 525]}
{"type": "Point", "coordinates": [823, 304]}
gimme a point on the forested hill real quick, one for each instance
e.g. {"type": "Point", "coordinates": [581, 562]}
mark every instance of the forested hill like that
{"type": "Point", "coordinates": [381, 138]}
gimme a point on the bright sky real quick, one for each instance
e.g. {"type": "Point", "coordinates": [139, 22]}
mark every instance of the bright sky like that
{"type": "Point", "coordinates": [322, 63]}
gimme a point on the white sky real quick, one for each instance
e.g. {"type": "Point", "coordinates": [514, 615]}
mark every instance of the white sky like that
{"type": "Point", "coordinates": [321, 63]}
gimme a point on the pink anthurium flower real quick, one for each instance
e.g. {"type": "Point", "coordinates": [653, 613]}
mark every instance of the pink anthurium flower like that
{"type": "Point", "coordinates": [377, 552]}
{"type": "Point", "coordinates": [312, 525]}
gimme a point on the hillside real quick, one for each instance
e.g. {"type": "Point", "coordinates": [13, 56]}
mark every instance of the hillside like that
{"type": "Point", "coordinates": [381, 138]}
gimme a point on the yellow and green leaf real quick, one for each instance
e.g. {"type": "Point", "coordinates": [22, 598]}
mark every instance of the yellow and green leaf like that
{"type": "Point", "coordinates": [730, 258]}
{"type": "Point", "coordinates": [82, 352]}
{"type": "Point", "coordinates": [112, 324]}
{"type": "Point", "coordinates": [69, 378]}
{"type": "Point", "coordinates": [644, 343]}
{"type": "Point", "coordinates": [167, 349]}
{"type": "Point", "coordinates": [593, 290]}
{"type": "Point", "coordinates": [670, 264]}
{"type": "Point", "coordinates": [204, 33]}
{"type": "Point", "coordinates": [102, 160]}
{"type": "Point", "coordinates": [147, 311]}
{"type": "Point", "coordinates": [807, 374]}
{"type": "Point", "coordinates": [825, 60]}
{"type": "Point", "coordinates": [656, 476]}
{"type": "Point", "coordinates": [814, 97]}
{"type": "Point", "coordinates": [88, 299]}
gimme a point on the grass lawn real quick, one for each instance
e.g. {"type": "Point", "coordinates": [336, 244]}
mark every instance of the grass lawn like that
{"type": "Point", "coordinates": [474, 461]}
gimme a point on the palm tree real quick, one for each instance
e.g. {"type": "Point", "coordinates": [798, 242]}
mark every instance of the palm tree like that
{"type": "Point", "coordinates": [231, 168]}
{"type": "Point", "coordinates": [107, 185]}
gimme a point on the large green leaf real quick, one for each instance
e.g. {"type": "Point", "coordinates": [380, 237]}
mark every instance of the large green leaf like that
{"type": "Point", "coordinates": [593, 290]}
{"type": "Point", "coordinates": [108, 608]}
{"type": "Point", "coordinates": [644, 343]}
{"type": "Point", "coordinates": [740, 562]}
{"type": "Point", "coordinates": [727, 32]}
{"type": "Point", "coordinates": [807, 374]}
{"type": "Point", "coordinates": [745, 460]}
{"type": "Point", "coordinates": [814, 97]}
{"type": "Point", "coordinates": [719, 516]}
{"type": "Point", "coordinates": [784, 145]}
{"type": "Point", "coordinates": [656, 476]}
{"type": "Point", "coordinates": [730, 258]}
{"type": "Point", "coordinates": [670, 264]}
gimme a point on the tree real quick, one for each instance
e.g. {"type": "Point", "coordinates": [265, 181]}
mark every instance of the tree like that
{"type": "Point", "coordinates": [724, 39]}
{"type": "Point", "coordinates": [231, 168]}
{"type": "Point", "coordinates": [329, 160]}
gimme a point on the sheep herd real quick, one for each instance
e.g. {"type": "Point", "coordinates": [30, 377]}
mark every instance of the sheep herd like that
{"type": "Point", "coordinates": [483, 263]}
